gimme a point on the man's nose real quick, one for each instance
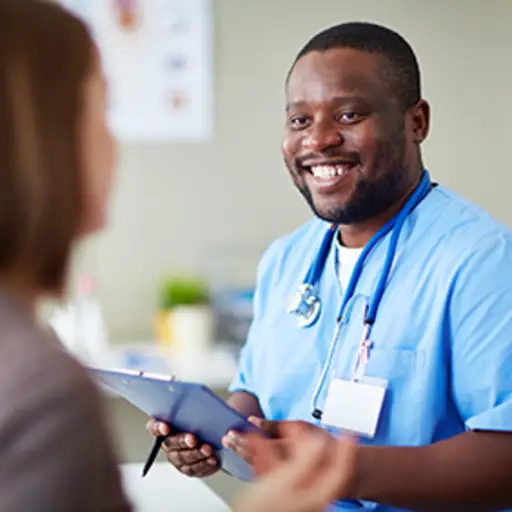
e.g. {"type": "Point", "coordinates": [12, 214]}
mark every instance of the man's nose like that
{"type": "Point", "coordinates": [322, 136]}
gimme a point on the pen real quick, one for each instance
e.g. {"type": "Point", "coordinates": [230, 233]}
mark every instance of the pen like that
{"type": "Point", "coordinates": [153, 454]}
{"type": "Point", "coordinates": [156, 445]}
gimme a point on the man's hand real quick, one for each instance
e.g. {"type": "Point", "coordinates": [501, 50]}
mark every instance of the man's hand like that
{"type": "Point", "coordinates": [184, 453]}
{"type": "Point", "coordinates": [304, 474]}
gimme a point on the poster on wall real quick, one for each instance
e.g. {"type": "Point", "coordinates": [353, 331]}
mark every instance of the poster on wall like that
{"type": "Point", "coordinates": [158, 59]}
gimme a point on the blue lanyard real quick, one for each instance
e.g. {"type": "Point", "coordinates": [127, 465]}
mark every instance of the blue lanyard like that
{"type": "Point", "coordinates": [315, 270]}
{"type": "Point", "coordinates": [394, 224]}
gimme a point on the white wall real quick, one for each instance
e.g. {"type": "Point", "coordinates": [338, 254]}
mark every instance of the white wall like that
{"type": "Point", "coordinates": [175, 201]}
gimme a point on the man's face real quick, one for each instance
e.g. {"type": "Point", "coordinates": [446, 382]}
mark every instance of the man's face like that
{"type": "Point", "coordinates": [348, 143]}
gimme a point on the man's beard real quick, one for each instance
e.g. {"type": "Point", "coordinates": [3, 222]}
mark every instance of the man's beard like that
{"type": "Point", "coordinates": [374, 197]}
{"type": "Point", "coordinates": [370, 198]}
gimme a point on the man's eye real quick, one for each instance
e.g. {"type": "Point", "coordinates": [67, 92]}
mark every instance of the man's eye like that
{"type": "Point", "coordinates": [349, 117]}
{"type": "Point", "coordinates": [298, 122]}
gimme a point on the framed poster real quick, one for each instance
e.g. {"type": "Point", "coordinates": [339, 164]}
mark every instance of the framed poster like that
{"type": "Point", "coordinates": [158, 58]}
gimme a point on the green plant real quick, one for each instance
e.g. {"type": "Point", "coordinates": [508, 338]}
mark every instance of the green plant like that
{"type": "Point", "coordinates": [180, 291]}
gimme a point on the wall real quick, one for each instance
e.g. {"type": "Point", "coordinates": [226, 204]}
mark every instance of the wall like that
{"type": "Point", "coordinates": [175, 202]}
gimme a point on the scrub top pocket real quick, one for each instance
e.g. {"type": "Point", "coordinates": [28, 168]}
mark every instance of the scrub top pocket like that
{"type": "Point", "coordinates": [402, 368]}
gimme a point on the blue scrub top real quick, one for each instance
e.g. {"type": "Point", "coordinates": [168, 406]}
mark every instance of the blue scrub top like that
{"type": "Point", "coordinates": [442, 337]}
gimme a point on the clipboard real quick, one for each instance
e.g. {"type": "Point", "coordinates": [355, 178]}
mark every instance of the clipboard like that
{"type": "Point", "coordinates": [187, 407]}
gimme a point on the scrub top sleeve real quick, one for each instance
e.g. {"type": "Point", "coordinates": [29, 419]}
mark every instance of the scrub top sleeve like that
{"type": "Point", "coordinates": [244, 379]}
{"type": "Point", "coordinates": [481, 327]}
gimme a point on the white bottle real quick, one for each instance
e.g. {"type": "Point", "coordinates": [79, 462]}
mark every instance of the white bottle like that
{"type": "Point", "coordinates": [62, 322]}
{"type": "Point", "coordinates": [91, 336]}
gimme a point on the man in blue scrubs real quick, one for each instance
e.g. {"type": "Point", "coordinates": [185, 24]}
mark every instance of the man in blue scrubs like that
{"type": "Point", "coordinates": [442, 340]}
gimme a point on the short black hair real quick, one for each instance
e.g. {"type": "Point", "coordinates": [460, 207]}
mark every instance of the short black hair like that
{"type": "Point", "coordinates": [403, 74]}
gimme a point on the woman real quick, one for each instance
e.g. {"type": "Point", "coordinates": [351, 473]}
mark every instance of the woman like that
{"type": "Point", "coordinates": [56, 161]}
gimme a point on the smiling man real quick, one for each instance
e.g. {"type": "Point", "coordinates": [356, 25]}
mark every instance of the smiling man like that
{"type": "Point", "coordinates": [403, 332]}
{"type": "Point", "coordinates": [363, 169]}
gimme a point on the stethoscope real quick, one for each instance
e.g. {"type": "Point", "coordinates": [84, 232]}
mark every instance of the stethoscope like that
{"type": "Point", "coordinates": [306, 306]}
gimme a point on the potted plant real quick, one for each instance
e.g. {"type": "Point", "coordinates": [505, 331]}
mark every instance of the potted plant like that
{"type": "Point", "coordinates": [184, 319]}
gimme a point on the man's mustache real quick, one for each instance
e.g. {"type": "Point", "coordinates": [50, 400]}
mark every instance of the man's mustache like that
{"type": "Point", "coordinates": [326, 157]}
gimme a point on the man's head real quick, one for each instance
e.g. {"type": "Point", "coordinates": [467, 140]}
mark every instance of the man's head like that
{"type": "Point", "coordinates": [354, 122]}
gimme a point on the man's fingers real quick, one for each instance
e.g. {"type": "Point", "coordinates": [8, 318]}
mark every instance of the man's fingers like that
{"type": "Point", "coordinates": [184, 451]}
{"type": "Point", "coordinates": [157, 428]}
{"type": "Point", "coordinates": [187, 457]}
{"type": "Point", "coordinates": [180, 442]}
{"type": "Point", "coordinates": [207, 467]}
{"type": "Point", "coordinates": [200, 469]}
{"type": "Point", "coordinates": [206, 450]}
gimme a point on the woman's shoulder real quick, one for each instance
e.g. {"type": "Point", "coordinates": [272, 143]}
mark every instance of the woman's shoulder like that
{"type": "Point", "coordinates": [34, 364]}
{"type": "Point", "coordinates": [52, 426]}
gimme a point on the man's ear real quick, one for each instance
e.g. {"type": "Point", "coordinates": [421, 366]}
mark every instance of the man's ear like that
{"type": "Point", "coordinates": [420, 121]}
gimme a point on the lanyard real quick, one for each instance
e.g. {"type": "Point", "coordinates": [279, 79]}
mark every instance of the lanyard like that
{"type": "Point", "coordinates": [395, 224]}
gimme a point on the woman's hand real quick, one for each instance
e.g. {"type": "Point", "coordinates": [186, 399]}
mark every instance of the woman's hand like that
{"type": "Point", "coordinates": [303, 471]}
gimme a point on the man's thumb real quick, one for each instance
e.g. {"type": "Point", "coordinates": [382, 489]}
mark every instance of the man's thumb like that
{"type": "Point", "coordinates": [269, 427]}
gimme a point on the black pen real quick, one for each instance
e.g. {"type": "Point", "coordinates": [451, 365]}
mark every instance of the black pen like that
{"type": "Point", "coordinates": [156, 445]}
{"type": "Point", "coordinates": [153, 454]}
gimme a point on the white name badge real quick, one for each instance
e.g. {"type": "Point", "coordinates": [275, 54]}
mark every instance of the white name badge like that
{"type": "Point", "coordinates": [355, 406]}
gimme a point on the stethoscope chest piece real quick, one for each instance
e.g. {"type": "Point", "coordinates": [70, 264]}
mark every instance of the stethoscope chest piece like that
{"type": "Point", "coordinates": [304, 305]}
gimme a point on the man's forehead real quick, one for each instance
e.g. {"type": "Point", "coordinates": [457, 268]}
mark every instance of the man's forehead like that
{"type": "Point", "coordinates": [334, 73]}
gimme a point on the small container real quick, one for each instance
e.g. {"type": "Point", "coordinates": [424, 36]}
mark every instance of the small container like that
{"type": "Point", "coordinates": [91, 335]}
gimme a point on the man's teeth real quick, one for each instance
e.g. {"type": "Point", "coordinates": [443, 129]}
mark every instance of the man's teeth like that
{"type": "Point", "coordinates": [328, 171]}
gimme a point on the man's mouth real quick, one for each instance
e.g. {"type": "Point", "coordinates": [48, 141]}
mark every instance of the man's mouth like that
{"type": "Point", "coordinates": [330, 170]}
{"type": "Point", "coordinates": [327, 176]}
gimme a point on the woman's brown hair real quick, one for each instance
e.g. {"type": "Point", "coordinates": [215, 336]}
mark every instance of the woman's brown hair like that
{"type": "Point", "coordinates": [46, 55]}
